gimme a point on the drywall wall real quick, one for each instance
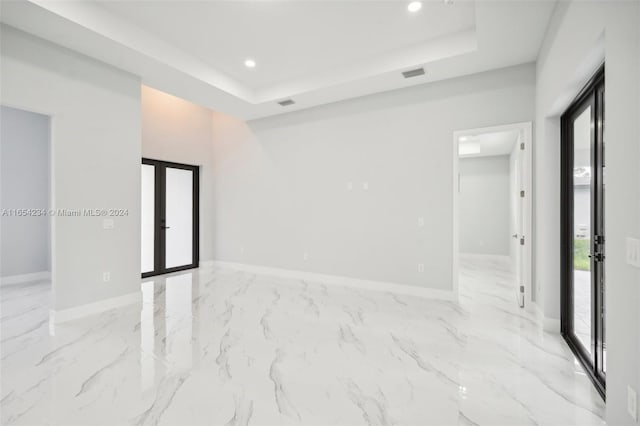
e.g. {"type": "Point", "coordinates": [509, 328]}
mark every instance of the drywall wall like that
{"type": "Point", "coordinates": [24, 146]}
{"type": "Point", "coordinates": [95, 151]}
{"type": "Point", "coordinates": [177, 130]}
{"type": "Point", "coordinates": [346, 184]}
{"type": "Point", "coordinates": [484, 208]}
{"type": "Point", "coordinates": [580, 36]}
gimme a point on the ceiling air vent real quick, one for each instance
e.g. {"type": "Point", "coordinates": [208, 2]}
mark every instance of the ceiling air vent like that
{"type": "Point", "coordinates": [286, 102]}
{"type": "Point", "coordinates": [413, 73]}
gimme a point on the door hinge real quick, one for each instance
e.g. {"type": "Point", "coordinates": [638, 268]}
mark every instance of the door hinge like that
{"type": "Point", "coordinates": [522, 194]}
{"type": "Point", "coordinates": [522, 146]}
{"type": "Point", "coordinates": [522, 241]}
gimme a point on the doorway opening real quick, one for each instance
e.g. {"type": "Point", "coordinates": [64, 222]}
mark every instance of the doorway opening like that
{"type": "Point", "coordinates": [169, 217]}
{"type": "Point", "coordinates": [26, 219]}
{"type": "Point", "coordinates": [492, 201]}
{"type": "Point", "coordinates": [583, 233]}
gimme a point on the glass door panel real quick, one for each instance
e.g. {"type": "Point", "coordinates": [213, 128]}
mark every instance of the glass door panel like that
{"type": "Point", "coordinates": [583, 230]}
{"type": "Point", "coordinates": [582, 312]}
{"type": "Point", "coordinates": [147, 215]}
{"type": "Point", "coordinates": [179, 217]}
{"type": "Point", "coordinates": [599, 243]}
{"type": "Point", "coordinates": [169, 217]}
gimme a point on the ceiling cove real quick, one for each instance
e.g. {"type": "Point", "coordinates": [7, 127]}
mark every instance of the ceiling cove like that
{"type": "Point", "coordinates": [246, 57]}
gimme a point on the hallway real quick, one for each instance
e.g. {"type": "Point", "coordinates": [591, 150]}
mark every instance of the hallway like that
{"type": "Point", "coordinates": [217, 346]}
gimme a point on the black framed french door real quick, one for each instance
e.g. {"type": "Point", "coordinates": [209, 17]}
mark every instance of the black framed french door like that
{"type": "Point", "coordinates": [169, 217]}
{"type": "Point", "coordinates": [583, 231]}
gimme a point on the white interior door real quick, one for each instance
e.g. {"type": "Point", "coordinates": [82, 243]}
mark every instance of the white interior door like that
{"type": "Point", "coordinates": [518, 219]}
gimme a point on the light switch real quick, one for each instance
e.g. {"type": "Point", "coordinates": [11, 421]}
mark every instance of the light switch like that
{"type": "Point", "coordinates": [633, 252]}
{"type": "Point", "coordinates": [349, 186]}
{"type": "Point", "coordinates": [108, 224]}
{"type": "Point", "coordinates": [365, 186]}
{"type": "Point", "coordinates": [420, 267]}
{"type": "Point", "coordinates": [632, 403]}
{"type": "Point", "coordinates": [421, 222]}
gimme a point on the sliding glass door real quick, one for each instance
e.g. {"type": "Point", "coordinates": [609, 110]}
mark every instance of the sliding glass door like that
{"type": "Point", "coordinates": [583, 232]}
{"type": "Point", "coordinates": [169, 222]}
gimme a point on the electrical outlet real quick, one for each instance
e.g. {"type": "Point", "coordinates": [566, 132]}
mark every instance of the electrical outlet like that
{"type": "Point", "coordinates": [632, 403]}
{"type": "Point", "coordinates": [421, 222]}
{"type": "Point", "coordinates": [349, 186]}
{"type": "Point", "coordinates": [106, 277]}
{"type": "Point", "coordinates": [365, 186]}
{"type": "Point", "coordinates": [241, 249]}
{"type": "Point", "coordinates": [420, 267]}
{"type": "Point", "coordinates": [305, 256]}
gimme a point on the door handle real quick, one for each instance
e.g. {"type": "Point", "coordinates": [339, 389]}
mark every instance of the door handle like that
{"type": "Point", "coordinates": [165, 227]}
{"type": "Point", "coordinates": [598, 257]}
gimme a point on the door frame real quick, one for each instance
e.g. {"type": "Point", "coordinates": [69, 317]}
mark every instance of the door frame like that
{"type": "Point", "coordinates": [160, 212]}
{"type": "Point", "coordinates": [526, 132]}
{"type": "Point", "coordinates": [566, 229]}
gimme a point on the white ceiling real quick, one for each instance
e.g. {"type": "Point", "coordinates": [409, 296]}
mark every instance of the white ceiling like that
{"type": "Point", "coordinates": [314, 52]}
{"type": "Point", "coordinates": [291, 40]}
{"type": "Point", "coordinates": [487, 144]}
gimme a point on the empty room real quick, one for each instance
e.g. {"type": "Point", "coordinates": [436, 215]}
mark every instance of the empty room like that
{"type": "Point", "coordinates": [291, 212]}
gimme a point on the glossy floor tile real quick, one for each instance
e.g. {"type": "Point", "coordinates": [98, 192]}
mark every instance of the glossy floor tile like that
{"type": "Point", "coordinates": [223, 347]}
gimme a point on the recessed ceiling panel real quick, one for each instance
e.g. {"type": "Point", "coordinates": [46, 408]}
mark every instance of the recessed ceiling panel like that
{"type": "Point", "coordinates": [292, 40]}
{"type": "Point", "coordinates": [313, 52]}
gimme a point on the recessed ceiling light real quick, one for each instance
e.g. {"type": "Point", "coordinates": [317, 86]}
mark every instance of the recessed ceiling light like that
{"type": "Point", "coordinates": [250, 63]}
{"type": "Point", "coordinates": [414, 6]}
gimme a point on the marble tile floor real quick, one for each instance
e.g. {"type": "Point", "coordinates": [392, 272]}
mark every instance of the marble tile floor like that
{"type": "Point", "coordinates": [223, 347]}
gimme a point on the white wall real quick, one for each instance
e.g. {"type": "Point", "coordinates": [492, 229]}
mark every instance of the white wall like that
{"type": "Point", "coordinates": [24, 145]}
{"type": "Point", "coordinates": [484, 208]}
{"type": "Point", "coordinates": [281, 182]}
{"type": "Point", "coordinates": [579, 35]}
{"type": "Point", "coordinates": [177, 130]}
{"type": "Point", "coordinates": [95, 135]}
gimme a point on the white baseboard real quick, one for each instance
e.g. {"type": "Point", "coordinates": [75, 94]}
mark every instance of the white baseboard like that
{"type": "Point", "coordinates": [70, 314]}
{"type": "Point", "coordinates": [485, 256]}
{"type": "Point", "coordinates": [429, 293]}
{"type": "Point", "coordinates": [550, 325]}
{"type": "Point", "coordinates": [25, 278]}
